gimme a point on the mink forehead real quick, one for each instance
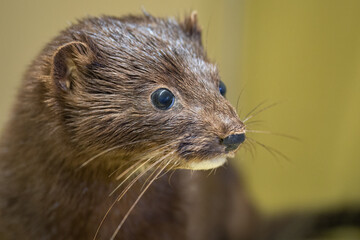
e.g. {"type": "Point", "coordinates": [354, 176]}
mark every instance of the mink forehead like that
{"type": "Point", "coordinates": [136, 33]}
{"type": "Point", "coordinates": [158, 48]}
{"type": "Point", "coordinates": [139, 30]}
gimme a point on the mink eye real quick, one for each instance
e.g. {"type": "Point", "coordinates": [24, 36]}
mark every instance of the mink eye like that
{"type": "Point", "coordinates": [162, 99]}
{"type": "Point", "coordinates": [222, 88]}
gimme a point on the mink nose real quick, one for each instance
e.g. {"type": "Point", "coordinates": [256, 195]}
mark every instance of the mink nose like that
{"type": "Point", "coordinates": [233, 141]}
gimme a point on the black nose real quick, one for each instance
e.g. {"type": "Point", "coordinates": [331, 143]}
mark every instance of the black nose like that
{"type": "Point", "coordinates": [233, 141]}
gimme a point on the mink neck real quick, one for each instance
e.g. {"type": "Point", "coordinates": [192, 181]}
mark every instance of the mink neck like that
{"type": "Point", "coordinates": [34, 143]}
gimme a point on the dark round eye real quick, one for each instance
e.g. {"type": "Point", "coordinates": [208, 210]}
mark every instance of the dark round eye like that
{"type": "Point", "coordinates": [222, 88]}
{"type": "Point", "coordinates": [163, 99]}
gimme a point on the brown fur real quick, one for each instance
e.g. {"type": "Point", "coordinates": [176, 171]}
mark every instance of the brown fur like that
{"type": "Point", "coordinates": [89, 91]}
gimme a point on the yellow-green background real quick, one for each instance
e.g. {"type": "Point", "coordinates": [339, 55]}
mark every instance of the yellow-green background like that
{"type": "Point", "coordinates": [302, 53]}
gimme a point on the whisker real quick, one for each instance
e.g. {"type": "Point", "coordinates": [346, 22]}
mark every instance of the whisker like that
{"type": "Point", "coordinates": [172, 168]}
{"type": "Point", "coordinates": [211, 172]}
{"type": "Point", "coordinates": [139, 176]}
{"type": "Point", "coordinates": [133, 165]}
{"type": "Point", "coordinates": [109, 150]}
{"type": "Point", "coordinates": [238, 100]}
{"type": "Point", "coordinates": [248, 146]}
{"type": "Point", "coordinates": [141, 163]}
{"type": "Point", "coordinates": [261, 110]}
{"type": "Point", "coordinates": [164, 157]}
{"type": "Point", "coordinates": [255, 108]}
{"type": "Point", "coordinates": [146, 153]}
{"type": "Point", "coordinates": [118, 198]}
{"type": "Point", "coordinates": [136, 201]}
{"type": "Point", "coordinates": [98, 155]}
{"type": "Point", "coordinates": [134, 180]}
{"type": "Point", "coordinates": [152, 174]}
{"type": "Point", "coordinates": [273, 133]}
{"type": "Point", "coordinates": [271, 150]}
{"type": "Point", "coordinates": [175, 164]}
{"type": "Point", "coordinates": [169, 179]}
{"type": "Point", "coordinates": [264, 146]}
{"type": "Point", "coordinates": [137, 165]}
{"type": "Point", "coordinates": [120, 167]}
{"type": "Point", "coordinates": [254, 122]}
{"type": "Point", "coordinates": [103, 219]}
{"type": "Point", "coordinates": [117, 169]}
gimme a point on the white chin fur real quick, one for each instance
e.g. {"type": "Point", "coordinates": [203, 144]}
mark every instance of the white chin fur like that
{"type": "Point", "coordinates": [207, 164]}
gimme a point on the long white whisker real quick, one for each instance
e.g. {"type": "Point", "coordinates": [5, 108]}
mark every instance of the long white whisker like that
{"type": "Point", "coordinates": [170, 160]}
{"type": "Point", "coordinates": [98, 155]}
{"type": "Point", "coordinates": [132, 182]}
{"type": "Point", "coordinates": [119, 197]}
{"type": "Point", "coordinates": [135, 179]}
{"type": "Point", "coordinates": [134, 171]}
{"type": "Point", "coordinates": [136, 201]}
{"type": "Point", "coordinates": [138, 177]}
{"type": "Point", "coordinates": [109, 150]}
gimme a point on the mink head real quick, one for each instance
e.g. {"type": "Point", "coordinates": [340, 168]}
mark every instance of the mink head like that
{"type": "Point", "coordinates": [145, 87]}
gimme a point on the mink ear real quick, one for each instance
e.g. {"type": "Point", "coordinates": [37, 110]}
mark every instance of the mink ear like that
{"type": "Point", "coordinates": [191, 26]}
{"type": "Point", "coordinates": [68, 62]}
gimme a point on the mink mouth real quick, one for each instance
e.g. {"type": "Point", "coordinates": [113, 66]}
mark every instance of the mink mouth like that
{"type": "Point", "coordinates": [210, 163]}
{"type": "Point", "coordinates": [208, 156]}
{"type": "Point", "coordinates": [205, 149]}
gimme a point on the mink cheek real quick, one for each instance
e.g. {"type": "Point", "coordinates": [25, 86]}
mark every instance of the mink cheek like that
{"type": "Point", "coordinates": [195, 150]}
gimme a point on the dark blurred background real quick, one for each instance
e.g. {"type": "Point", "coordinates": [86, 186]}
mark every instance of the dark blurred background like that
{"type": "Point", "coordinates": [302, 54]}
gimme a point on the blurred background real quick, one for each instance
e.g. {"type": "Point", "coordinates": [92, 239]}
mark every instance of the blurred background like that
{"type": "Point", "coordinates": [302, 54]}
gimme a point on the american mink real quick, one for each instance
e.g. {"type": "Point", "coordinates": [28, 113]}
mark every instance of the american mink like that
{"type": "Point", "coordinates": [111, 120]}
{"type": "Point", "coordinates": [132, 100]}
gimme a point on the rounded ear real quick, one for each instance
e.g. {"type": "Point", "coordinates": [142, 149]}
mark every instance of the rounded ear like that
{"type": "Point", "coordinates": [191, 26]}
{"type": "Point", "coordinates": [68, 62]}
